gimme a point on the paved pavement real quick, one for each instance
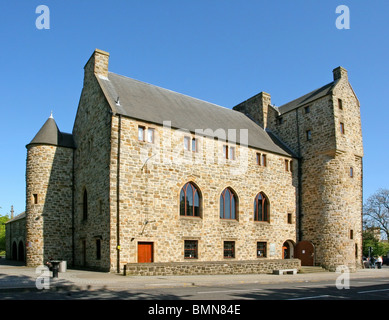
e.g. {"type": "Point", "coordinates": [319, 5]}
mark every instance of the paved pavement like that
{"type": "Point", "coordinates": [14, 276]}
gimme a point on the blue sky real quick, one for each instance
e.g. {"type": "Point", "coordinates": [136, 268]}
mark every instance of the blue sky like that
{"type": "Point", "coordinates": [221, 51]}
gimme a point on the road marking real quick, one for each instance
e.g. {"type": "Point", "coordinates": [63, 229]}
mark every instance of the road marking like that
{"type": "Point", "coordinates": [379, 290]}
{"type": "Point", "coordinates": [306, 298]}
{"type": "Point", "coordinates": [315, 285]}
{"type": "Point", "coordinates": [233, 290]}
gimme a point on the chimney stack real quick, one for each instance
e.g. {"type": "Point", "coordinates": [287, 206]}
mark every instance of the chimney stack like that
{"type": "Point", "coordinates": [340, 73]}
{"type": "Point", "coordinates": [98, 63]}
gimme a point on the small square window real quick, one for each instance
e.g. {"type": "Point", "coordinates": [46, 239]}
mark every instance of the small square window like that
{"type": "Point", "coordinates": [340, 104]}
{"type": "Point", "coordinates": [150, 135]}
{"type": "Point", "coordinates": [307, 109]}
{"type": "Point", "coordinates": [191, 249]}
{"type": "Point", "coordinates": [186, 143]}
{"type": "Point", "coordinates": [261, 249]}
{"type": "Point", "coordinates": [309, 135]}
{"type": "Point", "coordinates": [225, 151]}
{"type": "Point", "coordinates": [263, 160]}
{"type": "Point", "coordinates": [229, 249]}
{"type": "Point", "coordinates": [98, 249]}
{"type": "Point", "coordinates": [232, 153]}
{"type": "Point", "coordinates": [194, 145]}
{"type": "Point", "coordinates": [141, 133]}
{"type": "Point", "coordinates": [342, 131]}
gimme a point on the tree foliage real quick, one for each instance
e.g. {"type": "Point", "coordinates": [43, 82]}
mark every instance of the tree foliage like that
{"type": "Point", "coordinates": [376, 212]}
{"type": "Point", "coordinates": [3, 220]}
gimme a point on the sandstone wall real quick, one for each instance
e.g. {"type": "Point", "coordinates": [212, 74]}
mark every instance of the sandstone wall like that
{"type": "Point", "coordinates": [151, 178]}
{"type": "Point", "coordinates": [48, 204]}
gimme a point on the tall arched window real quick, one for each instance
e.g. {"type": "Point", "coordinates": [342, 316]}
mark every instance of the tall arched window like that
{"type": "Point", "coordinates": [261, 208]}
{"type": "Point", "coordinates": [228, 204]}
{"type": "Point", "coordinates": [85, 205]}
{"type": "Point", "coordinates": [190, 200]}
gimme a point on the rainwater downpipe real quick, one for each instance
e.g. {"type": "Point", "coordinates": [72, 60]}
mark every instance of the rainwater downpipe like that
{"type": "Point", "coordinates": [118, 198]}
{"type": "Point", "coordinates": [299, 177]}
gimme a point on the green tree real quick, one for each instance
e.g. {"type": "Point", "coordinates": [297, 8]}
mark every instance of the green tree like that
{"type": "Point", "coordinates": [3, 220]}
{"type": "Point", "coordinates": [370, 241]}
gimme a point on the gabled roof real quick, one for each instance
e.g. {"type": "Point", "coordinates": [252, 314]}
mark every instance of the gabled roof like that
{"type": "Point", "coordinates": [307, 98]}
{"type": "Point", "coordinates": [149, 103]}
{"type": "Point", "coordinates": [18, 217]}
{"type": "Point", "coordinates": [49, 134]}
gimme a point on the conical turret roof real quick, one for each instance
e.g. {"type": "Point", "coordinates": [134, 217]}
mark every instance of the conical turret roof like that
{"type": "Point", "coordinates": [49, 134]}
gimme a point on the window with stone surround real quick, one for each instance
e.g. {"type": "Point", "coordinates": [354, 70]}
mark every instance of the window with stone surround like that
{"type": "Point", "coordinates": [150, 135]}
{"type": "Point", "coordinates": [229, 152]}
{"type": "Point", "coordinates": [190, 200]}
{"type": "Point", "coordinates": [190, 249]}
{"type": "Point", "coordinates": [98, 249]}
{"type": "Point", "coordinates": [288, 165]}
{"type": "Point", "coordinates": [340, 104]}
{"type": "Point", "coordinates": [261, 208]}
{"type": "Point", "coordinates": [261, 249]}
{"type": "Point", "coordinates": [141, 133]}
{"type": "Point", "coordinates": [261, 159]}
{"type": "Point", "coordinates": [85, 205]}
{"type": "Point", "coordinates": [228, 204]}
{"type": "Point", "coordinates": [187, 143]}
{"type": "Point", "coordinates": [309, 135]}
{"type": "Point", "coordinates": [342, 131]}
{"type": "Point", "coordinates": [35, 198]}
{"type": "Point", "coordinates": [229, 249]}
{"type": "Point", "coordinates": [146, 134]}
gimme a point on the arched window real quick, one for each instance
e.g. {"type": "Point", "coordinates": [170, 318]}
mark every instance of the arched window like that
{"type": "Point", "coordinates": [190, 199]}
{"type": "Point", "coordinates": [228, 204]}
{"type": "Point", "coordinates": [261, 208]}
{"type": "Point", "coordinates": [85, 205]}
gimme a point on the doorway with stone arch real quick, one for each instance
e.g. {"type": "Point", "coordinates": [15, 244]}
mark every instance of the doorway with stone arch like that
{"type": "Point", "coordinates": [288, 249]}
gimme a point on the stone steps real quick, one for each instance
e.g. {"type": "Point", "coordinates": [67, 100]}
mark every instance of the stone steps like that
{"type": "Point", "coordinates": [306, 269]}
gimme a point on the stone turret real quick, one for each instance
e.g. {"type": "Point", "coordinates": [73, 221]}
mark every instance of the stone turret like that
{"type": "Point", "coordinates": [49, 181]}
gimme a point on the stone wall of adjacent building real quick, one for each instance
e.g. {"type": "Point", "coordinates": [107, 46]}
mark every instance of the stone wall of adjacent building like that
{"type": "Point", "coordinates": [49, 181]}
{"type": "Point", "coordinates": [15, 238]}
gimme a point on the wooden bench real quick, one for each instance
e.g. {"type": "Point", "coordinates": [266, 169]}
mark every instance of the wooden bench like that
{"type": "Point", "coordinates": [282, 271]}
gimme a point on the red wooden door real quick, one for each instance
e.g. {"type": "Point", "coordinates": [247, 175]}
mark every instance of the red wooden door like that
{"type": "Point", "coordinates": [305, 251]}
{"type": "Point", "coordinates": [145, 252]}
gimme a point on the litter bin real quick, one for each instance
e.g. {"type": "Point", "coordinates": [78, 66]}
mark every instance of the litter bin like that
{"type": "Point", "coordinates": [62, 266]}
{"type": "Point", "coordinates": [55, 264]}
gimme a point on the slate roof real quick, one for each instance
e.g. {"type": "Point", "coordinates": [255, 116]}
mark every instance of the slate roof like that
{"type": "Point", "coordinates": [307, 98]}
{"type": "Point", "coordinates": [18, 217]}
{"type": "Point", "coordinates": [49, 134]}
{"type": "Point", "coordinates": [149, 103]}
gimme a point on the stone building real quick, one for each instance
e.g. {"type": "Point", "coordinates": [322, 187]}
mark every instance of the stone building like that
{"type": "Point", "coordinates": [150, 177]}
{"type": "Point", "coordinates": [15, 237]}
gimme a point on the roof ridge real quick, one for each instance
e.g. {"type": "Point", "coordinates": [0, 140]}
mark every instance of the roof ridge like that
{"type": "Point", "coordinates": [175, 92]}
{"type": "Point", "coordinates": [307, 100]}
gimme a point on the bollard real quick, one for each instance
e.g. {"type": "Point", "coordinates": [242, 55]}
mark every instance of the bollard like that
{"type": "Point", "coordinates": [55, 265]}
